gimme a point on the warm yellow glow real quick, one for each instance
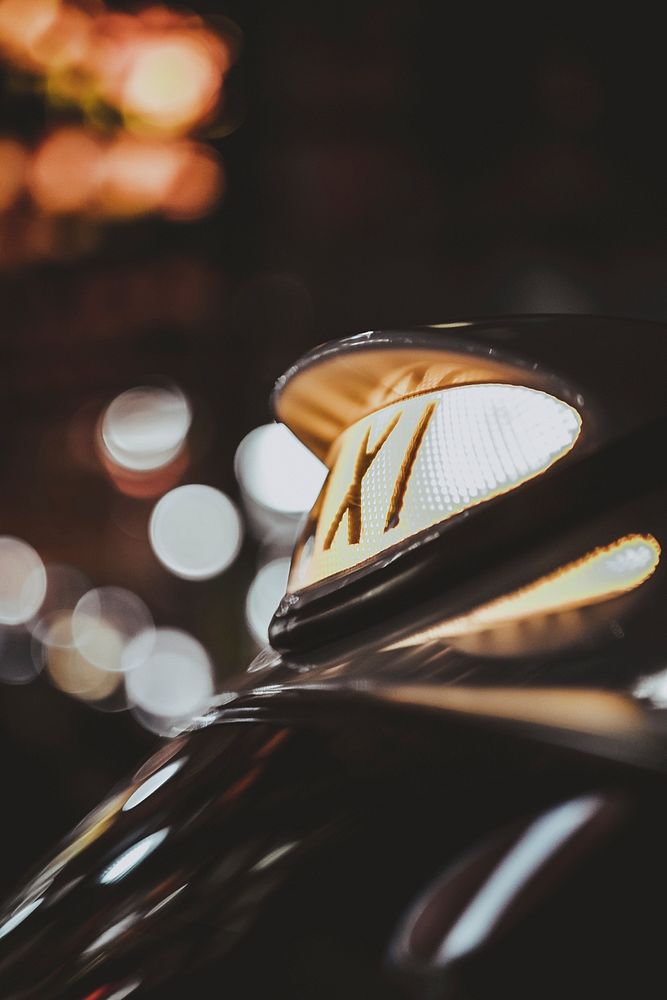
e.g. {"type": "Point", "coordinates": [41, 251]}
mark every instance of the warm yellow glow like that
{"type": "Point", "coordinates": [22, 23]}
{"type": "Point", "coordinates": [158, 73]}
{"type": "Point", "coordinates": [576, 709]}
{"type": "Point", "coordinates": [73, 171]}
{"type": "Point", "coordinates": [137, 175]}
{"type": "Point", "coordinates": [162, 69]}
{"type": "Point", "coordinates": [198, 185]}
{"type": "Point", "coordinates": [71, 670]}
{"type": "Point", "coordinates": [65, 170]}
{"type": "Point", "coordinates": [65, 42]}
{"type": "Point", "coordinates": [180, 179]}
{"type": "Point", "coordinates": [424, 459]}
{"type": "Point", "coordinates": [172, 83]}
{"type": "Point", "coordinates": [321, 401]}
{"type": "Point", "coordinates": [604, 573]}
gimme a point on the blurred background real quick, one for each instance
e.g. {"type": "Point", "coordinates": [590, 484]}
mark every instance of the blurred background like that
{"type": "Point", "coordinates": [191, 198]}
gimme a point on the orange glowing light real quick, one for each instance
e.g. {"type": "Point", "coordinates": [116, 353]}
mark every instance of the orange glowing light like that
{"type": "Point", "coordinates": [65, 41]}
{"type": "Point", "coordinates": [161, 69]}
{"type": "Point", "coordinates": [172, 84]}
{"type": "Point", "coordinates": [64, 172]}
{"type": "Point", "coordinates": [197, 188]}
{"type": "Point", "coordinates": [162, 18]}
{"type": "Point", "coordinates": [13, 165]}
{"type": "Point", "coordinates": [138, 175]}
{"type": "Point", "coordinates": [181, 179]}
{"type": "Point", "coordinates": [109, 58]}
{"type": "Point", "coordinates": [22, 23]}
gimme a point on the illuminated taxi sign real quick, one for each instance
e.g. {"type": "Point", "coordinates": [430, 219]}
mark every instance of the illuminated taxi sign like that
{"type": "Point", "coordinates": [420, 461]}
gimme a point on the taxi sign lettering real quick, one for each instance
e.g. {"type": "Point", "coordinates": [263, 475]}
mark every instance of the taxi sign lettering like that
{"type": "Point", "coordinates": [424, 459]}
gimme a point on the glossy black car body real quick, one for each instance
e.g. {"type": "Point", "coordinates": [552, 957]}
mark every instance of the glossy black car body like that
{"type": "Point", "coordinates": [374, 815]}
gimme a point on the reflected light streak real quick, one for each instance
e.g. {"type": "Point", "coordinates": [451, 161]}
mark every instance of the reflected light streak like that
{"type": "Point", "coordinates": [195, 531]}
{"type": "Point", "coordinates": [577, 709]}
{"type": "Point", "coordinates": [166, 901]}
{"type": "Point", "coordinates": [130, 859]}
{"type": "Point", "coordinates": [653, 687]}
{"type": "Point", "coordinates": [153, 783]}
{"type": "Point", "coordinates": [539, 843]}
{"type": "Point", "coordinates": [275, 855]}
{"type": "Point", "coordinates": [111, 933]}
{"type": "Point", "coordinates": [124, 990]}
{"type": "Point", "coordinates": [606, 572]}
{"type": "Point", "coordinates": [22, 581]}
{"type": "Point", "coordinates": [19, 916]}
{"type": "Point", "coordinates": [144, 429]}
{"type": "Point", "coordinates": [264, 596]}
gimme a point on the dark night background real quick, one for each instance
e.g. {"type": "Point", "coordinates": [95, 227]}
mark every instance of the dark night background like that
{"type": "Point", "coordinates": [391, 164]}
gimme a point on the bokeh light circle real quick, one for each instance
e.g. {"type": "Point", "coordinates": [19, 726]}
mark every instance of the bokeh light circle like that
{"type": "Point", "coordinates": [264, 595]}
{"type": "Point", "coordinates": [277, 471]}
{"type": "Point", "coordinates": [65, 585]}
{"type": "Point", "coordinates": [22, 581]}
{"type": "Point", "coordinates": [110, 612]}
{"type": "Point", "coordinates": [195, 531]}
{"type": "Point", "coordinates": [64, 172]}
{"type": "Point", "coordinates": [70, 669]}
{"type": "Point", "coordinates": [145, 428]}
{"type": "Point", "coordinates": [174, 678]}
{"type": "Point", "coordinates": [172, 83]}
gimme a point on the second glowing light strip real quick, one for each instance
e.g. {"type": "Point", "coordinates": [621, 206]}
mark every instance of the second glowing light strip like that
{"type": "Point", "coordinates": [606, 572]}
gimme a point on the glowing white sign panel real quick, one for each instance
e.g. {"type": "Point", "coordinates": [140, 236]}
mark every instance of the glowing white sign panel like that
{"type": "Point", "coordinates": [424, 459]}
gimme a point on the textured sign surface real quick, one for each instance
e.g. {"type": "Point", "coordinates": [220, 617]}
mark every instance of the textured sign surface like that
{"type": "Point", "coordinates": [424, 459]}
